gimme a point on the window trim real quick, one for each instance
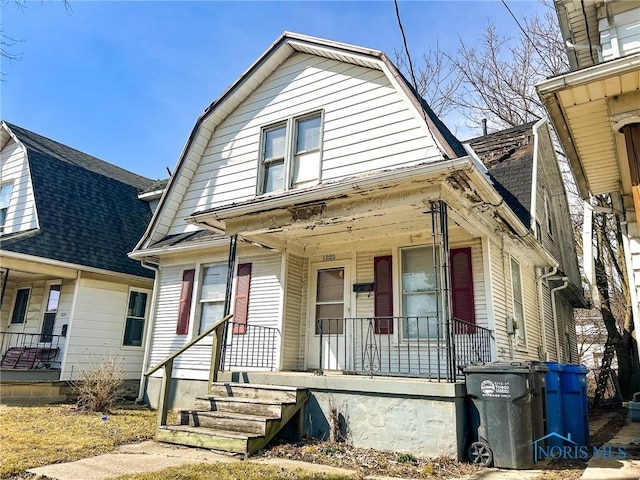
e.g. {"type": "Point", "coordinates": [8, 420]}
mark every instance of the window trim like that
{"type": "Point", "coordinates": [522, 342]}
{"type": "Point", "coordinates": [3, 222]}
{"type": "Point", "coordinates": [145, 320]}
{"type": "Point", "coordinates": [291, 138]}
{"type": "Point", "coordinates": [13, 306]}
{"type": "Point", "coordinates": [197, 302]}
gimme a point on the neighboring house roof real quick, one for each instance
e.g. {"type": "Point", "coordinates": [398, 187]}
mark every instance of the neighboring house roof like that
{"type": "Point", "coordinates": [508, 155]}
{"type": "Point", "coordinates": [155, 186]}
{"type": "Point", "coordinates": [88, 210]}
{"type": "Point", "coordinates": [285, 46]}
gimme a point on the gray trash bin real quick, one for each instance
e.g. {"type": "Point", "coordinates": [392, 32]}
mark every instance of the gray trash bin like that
{"type": "Point", "coordinates": [506, 412]}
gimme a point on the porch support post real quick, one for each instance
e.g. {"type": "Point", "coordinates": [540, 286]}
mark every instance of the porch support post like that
{"type": "Point", "coordinates": [220, 333]}
{"type": "Point", "coordinates": [440, 234]}
{"type": "Point", "coordinates": [5, 278]}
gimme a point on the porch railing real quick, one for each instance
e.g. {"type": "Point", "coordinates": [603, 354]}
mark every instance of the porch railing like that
{"type": "Point", "coordinates": [250, 346]}
{"type": "Point", "coordinates": [403, 346]}
{"type": "Point", "coordinates": [28, 351]}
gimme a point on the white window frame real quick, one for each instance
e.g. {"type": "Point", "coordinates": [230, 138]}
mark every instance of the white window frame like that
{"type": "Point", "coordinates": [290, 153]}
{"type": "Point", "coordinates": [145, 319]}
{"type": "Point", "coordinates": [3, 221]}
{"type": "Point", "coordinates": [13, 306]}
{"type": "Point", "coordinates": [200, 302]}
{"type": "Point", "coordinates": [400, 335]}
{"type": "Point", "coordinates": [519, 331]}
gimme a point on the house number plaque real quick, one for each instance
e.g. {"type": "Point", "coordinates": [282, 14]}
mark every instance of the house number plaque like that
{"type": "Point", "coordinates": [328, 258]}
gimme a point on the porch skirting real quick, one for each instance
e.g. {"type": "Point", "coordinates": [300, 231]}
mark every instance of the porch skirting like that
{"type": "Point", "coordinates": [408, 415]}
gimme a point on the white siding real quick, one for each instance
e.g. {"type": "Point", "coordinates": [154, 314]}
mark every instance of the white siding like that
{"type": "Point", "coordinates": [367, 126]}
{"type": "Point", "coordinates": [293, 313]}
{"type": "Point", "coordinates": [97, 331]}
{"type": "Point", "coordinates": [14, 169]}
{"type": "Point", "coordinates": [265, 300]}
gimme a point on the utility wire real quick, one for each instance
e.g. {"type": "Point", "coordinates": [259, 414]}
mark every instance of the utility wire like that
{"type": "Point", "coordinates": [533, 44]}
{"type": "Point", "coordinates": [406, 47]}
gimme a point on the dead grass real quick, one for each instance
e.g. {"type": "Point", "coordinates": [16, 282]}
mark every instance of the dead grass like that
{"type": "Point", "coordinates": [36, 436]}
{"type": "Point", "coordinates": [232, 471]}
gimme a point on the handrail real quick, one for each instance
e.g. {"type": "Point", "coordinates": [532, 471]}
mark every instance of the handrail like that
{"type": "Point", "coordinates": [187, 345]}
{"type": "Point", "coordinates": [167, 364]}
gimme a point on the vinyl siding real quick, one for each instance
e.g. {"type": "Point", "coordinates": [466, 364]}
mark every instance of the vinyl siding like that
{"type": "Point", "coordinates": [265, 300]}
{"type": "Point", "coordinates": [97, 331]}
{"type": "Point", "coordinates": [14, 166]}
{"type": "Point", "coordinates": [367, 126]}
{"type": "Point", "coordinates": [293, 314]}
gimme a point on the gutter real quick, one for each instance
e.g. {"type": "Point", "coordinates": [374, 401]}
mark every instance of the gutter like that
{"type": "Point", "coordinates": [148, 329]}
{"type": "Point", "coordinates": [170, 249]}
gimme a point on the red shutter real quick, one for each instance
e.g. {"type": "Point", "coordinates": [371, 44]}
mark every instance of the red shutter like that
{"type": "Point", "coordinates": [462, 288]}
{"type": "Point", "coordinates": [185, 302]}
{"type": "Point", "coordinates": [383, 294]}
{"type": "Point", "coordinates": [241, 307]}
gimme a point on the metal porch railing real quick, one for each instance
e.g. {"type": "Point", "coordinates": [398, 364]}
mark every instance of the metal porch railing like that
{"type": "Point", "coordinates": [29, 351]}
{"type": "Point", "coordinates": [401, 346]}
{"type": "Point", "coordinates": [250, 346]}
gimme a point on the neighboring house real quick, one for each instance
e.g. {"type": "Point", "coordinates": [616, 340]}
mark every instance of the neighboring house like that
{"type": "Point", "coordinates": [71, 297]}
{"type": "Point", "coordinates": [595, 110]}
{"type": "Point", "coordinates": [322, 203]}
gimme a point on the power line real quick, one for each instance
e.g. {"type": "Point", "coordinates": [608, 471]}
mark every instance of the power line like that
{"type": "Point", "coordinates": [533, 44]}
{"type": "Point", "coordinates": [406, 47]}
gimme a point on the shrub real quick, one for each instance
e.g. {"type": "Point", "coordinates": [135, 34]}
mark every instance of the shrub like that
{"type": "Point", "coordinates": [100, 387]}
{"type": "Point", "coordinates": [406, 458]}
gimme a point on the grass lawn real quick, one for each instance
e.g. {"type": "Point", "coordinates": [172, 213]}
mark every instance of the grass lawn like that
{"type": "Point", "coordinates": [36, 436]}
{"type": "Point", "coordinates": [233, 471]}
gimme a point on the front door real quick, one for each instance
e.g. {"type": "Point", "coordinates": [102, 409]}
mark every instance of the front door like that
{"type": "Point", "coordinates": [328, 330]}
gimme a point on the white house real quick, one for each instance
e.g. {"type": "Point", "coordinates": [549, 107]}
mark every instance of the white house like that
{"type": "Point", "coordinates": [70, 295]}
{"type": "Point", "coordinates": [365, 253]}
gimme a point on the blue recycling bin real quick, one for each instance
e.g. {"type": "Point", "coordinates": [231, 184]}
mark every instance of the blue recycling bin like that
{"type": "Point", "coordinates": [554, 404]}
{"type": "Point", "coordinates": [575, 406]}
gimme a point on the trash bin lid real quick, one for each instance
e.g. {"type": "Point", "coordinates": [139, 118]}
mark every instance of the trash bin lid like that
{"type": "Point", "coordinates": [506, 367]}
{"type": "Point", "coordinates": [554, 366]}
{"type": "Point", "coordinates": [574, 368]}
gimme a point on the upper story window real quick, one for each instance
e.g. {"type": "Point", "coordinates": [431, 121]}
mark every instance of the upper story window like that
{"type": "Point", "coordinates": [5, 197]}
{"type": "Point", "coordinates": [291, 153]}
{"type": "Point", "coordinates": [548, 215]}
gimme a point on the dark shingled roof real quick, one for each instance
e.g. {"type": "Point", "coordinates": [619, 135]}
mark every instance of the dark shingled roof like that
{"type": "Point", "coordinates": [88, 209]}
{"type": "Point", "coordinates": [157, 185]}
{"type": "Point", "coordinates": [508, 155]}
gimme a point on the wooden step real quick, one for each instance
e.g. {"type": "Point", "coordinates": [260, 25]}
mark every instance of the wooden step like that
{"type": "Point", "coordinates": [250, 390]}
{"type": "Point", "coordinates": [249, 406]}
{"type": "Point", "coordinates": [236, 422]}
{"type": "Point", "coordinates": [207, 438]}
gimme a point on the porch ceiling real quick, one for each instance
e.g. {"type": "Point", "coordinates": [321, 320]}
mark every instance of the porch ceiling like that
{"type": "Point", "coordinates": [584, 106]}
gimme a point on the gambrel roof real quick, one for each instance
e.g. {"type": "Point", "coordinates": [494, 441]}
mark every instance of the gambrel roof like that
{"type": "Point", "coordinates": [88, 210]}
{"type": "Point", "coordinates": [448, 146]}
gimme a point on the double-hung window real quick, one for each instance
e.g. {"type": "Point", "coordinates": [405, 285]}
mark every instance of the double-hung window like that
{"type": "Point", "coordinates": [518, 303]}
{"type": "Point", "coordinates": [136, 314]}
{"type": "Point", "coordinates": [5, 197]}
{"type": "Point", "coordinates": [212, 294]}
{"type": "Point", "coordinates": [420, 303]}
{"type": "Point", "coordinates": [21, 305]}
{"type": "Point", "coordinates": [291, 153]}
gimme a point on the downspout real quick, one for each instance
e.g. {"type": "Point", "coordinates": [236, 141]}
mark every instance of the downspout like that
{"type": "Point", "coordinates": [564, 285]}
{"type": "Point", "coordinates": [144, 380]}
{"type": "Point", "coordinates": [543, 323]}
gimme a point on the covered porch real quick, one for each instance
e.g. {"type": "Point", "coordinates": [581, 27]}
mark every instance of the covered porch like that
{"type": "Point", "coordinates": [383, 277]}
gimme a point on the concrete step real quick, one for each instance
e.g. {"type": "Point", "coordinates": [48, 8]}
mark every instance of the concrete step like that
{"type": "Point", "coordinates": [245, 390]}
{"type": "Point", "coordinates": [249, 406]}
{"type": "Point", "coordinates": [207, 438]}
{"type": "Point", "coordinates": [235, 422]}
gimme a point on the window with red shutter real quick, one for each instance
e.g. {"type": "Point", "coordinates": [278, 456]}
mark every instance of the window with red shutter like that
{"type": "Point", "coordinates": [241, 305]}
{"type": "Point", "coordinates": [185, 302]}
{"type": "Point", "coordinates": [383, 295]}
{"type": "Point", "coordinates": [462, 288]}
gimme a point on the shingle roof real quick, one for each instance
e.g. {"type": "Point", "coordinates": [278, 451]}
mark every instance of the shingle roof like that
{"type": "Point", "coordinates": [88, 210]}
{"type": "Point", "coordinates": [508, 155]}
{"type": "Point", "coordinates": [157, 185]}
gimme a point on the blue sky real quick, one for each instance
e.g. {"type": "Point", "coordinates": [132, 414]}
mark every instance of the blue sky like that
{"type": "Point", "coordinates": [126, 80]}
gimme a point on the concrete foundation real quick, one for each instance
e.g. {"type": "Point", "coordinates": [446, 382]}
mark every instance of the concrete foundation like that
{"type": "Point", "coordinates": [406, 415]}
